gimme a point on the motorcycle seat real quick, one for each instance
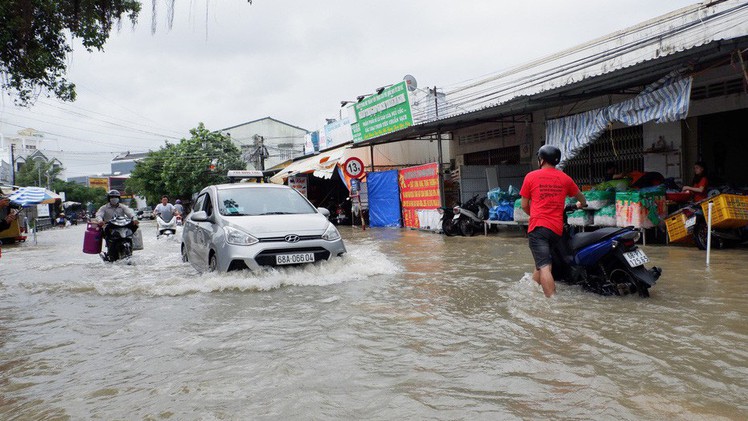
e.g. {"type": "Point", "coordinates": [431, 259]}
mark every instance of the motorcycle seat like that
{"type": "Point", "coordinates": [584, 239]}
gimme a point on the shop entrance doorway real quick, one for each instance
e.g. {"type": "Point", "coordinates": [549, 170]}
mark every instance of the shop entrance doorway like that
{"type": "Point", "coordinates": [723, 145]}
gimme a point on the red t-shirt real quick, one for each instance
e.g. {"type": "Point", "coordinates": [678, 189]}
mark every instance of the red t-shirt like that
{"type": "Point", "coordinates": [702, 183]}
{"type": "Point", "coordinates": [547, 189]}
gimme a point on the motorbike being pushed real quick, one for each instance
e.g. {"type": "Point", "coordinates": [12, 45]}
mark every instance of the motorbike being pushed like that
{"type": "Point", "coordinates": [468, 218]}
{"type": "Point", "coordinates": [606, 261]}
{"type": "Point", "coordinates": [118, 236]}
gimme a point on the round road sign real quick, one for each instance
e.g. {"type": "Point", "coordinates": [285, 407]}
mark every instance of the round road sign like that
{"type": "Point", "coordinates": [353, 167]}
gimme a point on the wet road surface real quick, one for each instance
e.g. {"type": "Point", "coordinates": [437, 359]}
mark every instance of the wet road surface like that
{"type": "Point", "coordinates": [408, 325]}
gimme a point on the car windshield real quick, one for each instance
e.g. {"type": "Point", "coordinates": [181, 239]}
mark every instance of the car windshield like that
{"type": "Point", "coordinates": [262, 201]}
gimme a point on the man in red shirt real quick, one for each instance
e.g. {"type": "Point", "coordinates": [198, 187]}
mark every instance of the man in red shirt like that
{"type": "Point", "coordinates": [544, 192]}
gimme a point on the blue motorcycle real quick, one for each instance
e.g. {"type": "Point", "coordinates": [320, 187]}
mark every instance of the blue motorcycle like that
{"type": "Point", "coordinates": [606, 261]}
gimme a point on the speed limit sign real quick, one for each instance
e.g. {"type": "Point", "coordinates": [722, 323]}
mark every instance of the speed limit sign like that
{"type": "Point", "coordinates": [353, 167]}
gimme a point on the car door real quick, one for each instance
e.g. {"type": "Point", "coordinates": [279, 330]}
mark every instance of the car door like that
{"type": "Point", "coordinates": [190, 234]}
{"type": "Point", "coordinates": [204, 233]}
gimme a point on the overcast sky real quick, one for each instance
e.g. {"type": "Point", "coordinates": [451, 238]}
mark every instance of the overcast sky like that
{"type": "Point", "coordinates": [228, 62]}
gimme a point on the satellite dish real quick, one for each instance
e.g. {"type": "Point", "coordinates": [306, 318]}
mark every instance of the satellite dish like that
{"type": "Point", "coordinates": [410, 82]}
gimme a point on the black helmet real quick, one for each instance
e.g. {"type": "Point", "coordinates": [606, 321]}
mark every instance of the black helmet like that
{"type": "Point", "coordinates": [112, 193]}
{"type": "Point", "coordinates": [550, 154]}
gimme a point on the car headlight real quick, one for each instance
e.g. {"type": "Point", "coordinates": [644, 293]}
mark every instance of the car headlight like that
{"type": "Point", "coordinates": [331, 233]}
{"type": "Point", "coordinates": [239, 237]}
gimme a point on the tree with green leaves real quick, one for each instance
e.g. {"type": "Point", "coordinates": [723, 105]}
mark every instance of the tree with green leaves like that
{"type": "Point", "coordinates": [179, 170]}
{"type": "Point", "coordinates": [35, 40]}
{"type": "Point", "coordinates": [38, 172]}
{"type": "Point", "coordinates": [75, 192]}
{"type": "Point", "coordinates": [36, 35]}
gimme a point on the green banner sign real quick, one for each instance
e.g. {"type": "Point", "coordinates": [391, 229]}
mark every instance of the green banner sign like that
{"type": "Point", "coordinates": [383, 113]}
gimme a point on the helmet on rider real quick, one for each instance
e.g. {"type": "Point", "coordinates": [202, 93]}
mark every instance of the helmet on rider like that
{"type": "Point", "coordinates": [549, 154]}
{"type": "Point", "coordinates": [113, 197]}
{"type": "Point", "coordinates": [178, 201]}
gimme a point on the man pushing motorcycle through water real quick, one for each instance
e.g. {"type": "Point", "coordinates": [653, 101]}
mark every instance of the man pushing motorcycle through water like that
{"type": "Point", "coordinates": [544, 193]}
{"type": "Point", "coordinates": [111, 210]}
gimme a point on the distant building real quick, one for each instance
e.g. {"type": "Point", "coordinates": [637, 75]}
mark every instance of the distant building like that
{"type": "Point", "coordinates": [21, 149]}
{"type": "Point", "coordinates": [125, 163]}
{"type": "Point", "coordinates": [267, 142]}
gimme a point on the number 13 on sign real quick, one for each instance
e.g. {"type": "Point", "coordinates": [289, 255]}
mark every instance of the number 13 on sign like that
{"type": "Point", "coordinates": [353, 167]}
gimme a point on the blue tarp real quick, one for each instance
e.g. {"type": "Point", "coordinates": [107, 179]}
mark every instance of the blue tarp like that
{"type": "Point", "coordinates": [384, 199]}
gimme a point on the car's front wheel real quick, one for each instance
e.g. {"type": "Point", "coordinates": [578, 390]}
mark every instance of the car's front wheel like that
{"type": "Point", "coordinates": [212, 262]}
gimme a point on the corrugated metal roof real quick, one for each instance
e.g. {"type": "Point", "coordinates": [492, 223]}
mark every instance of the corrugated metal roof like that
{"type": "Point", "coordinates": [696, 35]}
{"type": "Point", "coordinates": [657, 38]}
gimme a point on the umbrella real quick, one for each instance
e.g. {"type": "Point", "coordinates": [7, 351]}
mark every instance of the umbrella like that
{"type": "Point", "coordinates": [29, 196]}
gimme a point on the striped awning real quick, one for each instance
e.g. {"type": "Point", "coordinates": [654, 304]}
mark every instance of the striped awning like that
{"type": "Point", "coordinates": [29, 196]}
{"type": "Point", "coordinates": [664, 101]}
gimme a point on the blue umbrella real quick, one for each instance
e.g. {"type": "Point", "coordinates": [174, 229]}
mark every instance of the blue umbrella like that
{"type": "Point", "coordinates": [29, 196]}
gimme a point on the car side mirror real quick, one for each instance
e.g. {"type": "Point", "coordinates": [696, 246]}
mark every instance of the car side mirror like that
{"type": "Point", "coordinates": [324, 211]}
{"type": "Point", "coordinates": [199, 216]}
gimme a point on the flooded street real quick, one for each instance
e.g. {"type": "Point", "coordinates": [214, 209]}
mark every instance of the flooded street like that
{"type": "Point", "coordinates": [408, 325]}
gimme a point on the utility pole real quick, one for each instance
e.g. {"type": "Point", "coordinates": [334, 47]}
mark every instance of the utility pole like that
{"type": "Point", "coordinates": [260, 153]}
{"type": "Point", "coordinates": [440, 157]}
{"type": "Point", "coordinates": [12, 166]}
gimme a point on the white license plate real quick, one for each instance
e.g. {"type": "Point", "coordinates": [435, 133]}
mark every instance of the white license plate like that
{"type": "Point", "coordinates": [294, 259]}
{"type": "Point", "coordinates": [636, 258]}
{"type": "Point", "coordinates": [690, 222]}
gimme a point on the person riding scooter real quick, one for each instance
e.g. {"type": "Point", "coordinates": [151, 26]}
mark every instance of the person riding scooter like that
{"type": "Point", "coordinates": [165, 220]}
{"type": "Point", "coordinates": [111, 210]}
{"type": "Point", "coordinates": [179, 211]}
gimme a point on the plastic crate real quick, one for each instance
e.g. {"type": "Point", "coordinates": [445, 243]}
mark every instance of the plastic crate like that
{"type": "Point", "coordinates": [676, 228]}
{"type": "Point", "coordinates": [729, 210]}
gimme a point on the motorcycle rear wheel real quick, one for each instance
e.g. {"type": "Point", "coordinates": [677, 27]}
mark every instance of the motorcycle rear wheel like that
{"type": "Point", "coordinates": [700, 233]}
{"type": "Point", "coordinates": [466, 228]}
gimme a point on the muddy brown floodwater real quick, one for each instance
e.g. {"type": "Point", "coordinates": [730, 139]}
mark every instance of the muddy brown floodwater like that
{"type": "Point", "coordinates": [408, 325]}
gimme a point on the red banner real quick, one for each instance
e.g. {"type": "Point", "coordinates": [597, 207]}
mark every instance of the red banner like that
{"type": "Point", "coordinates": [419, 189]}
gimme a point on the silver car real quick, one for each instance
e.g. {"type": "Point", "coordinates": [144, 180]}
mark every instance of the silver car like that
{"type": "Point", "coordinates": [251, 225]}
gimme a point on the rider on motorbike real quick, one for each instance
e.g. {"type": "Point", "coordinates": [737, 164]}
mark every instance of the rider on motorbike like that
{"type": "Point", "coordinates": [179, 208]}
{"type": "Point", "coordinates": [113, 209]}
{"type": "Point", "coordinates": [544, 192]}
{"type": "Point", "coordinates": [165, 209]}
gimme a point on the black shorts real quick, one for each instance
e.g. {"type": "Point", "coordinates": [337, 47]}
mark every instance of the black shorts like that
{"type": "Point", "coordinates": [542, 241]}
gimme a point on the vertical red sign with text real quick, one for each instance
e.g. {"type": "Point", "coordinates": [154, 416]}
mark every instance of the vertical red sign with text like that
{"type": "Point", "coordinates": [419, 189]}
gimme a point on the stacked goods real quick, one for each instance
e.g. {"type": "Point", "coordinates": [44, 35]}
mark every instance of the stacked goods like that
{"type": "Point", "coordinates": [498, 195]}
{"type": "Point", "coordinates": [519, 214]}
{"type": "Point", "coordinates": [605, 216]}
{"type": "Point", "coordinates": [728, 211]}
{"type": "Point", "coordinates": [581, 218]}
{"type": "Point", "coordinates": [617, 185]}
{"type": "Point", "coordinates": [641, 209]}
{"type": "Point", "coordinates": [598, 199]}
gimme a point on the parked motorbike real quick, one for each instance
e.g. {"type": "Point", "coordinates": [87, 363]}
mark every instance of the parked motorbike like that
{"type": "Point", "coordinates": [118, 236]}
{"type": "Point", "coordinates": [447, 219]}
{"type": "Point", "coordinates": [167, 228]}
{"type": "Point", "coordinates": [340, 217]}
{"type": "Point", "coordinates": [606, 261]}
{"type": "Point", "coordinates": [721, 237]}
{"type": "Point", "coordinates": [470, 216]}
